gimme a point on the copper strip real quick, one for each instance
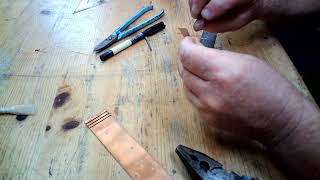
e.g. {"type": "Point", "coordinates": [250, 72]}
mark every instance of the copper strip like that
{"type": "Point", "coordinates": [129, 154]}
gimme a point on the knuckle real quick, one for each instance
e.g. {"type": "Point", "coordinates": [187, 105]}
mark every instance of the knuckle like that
{"type": "Point", "coordinates": [190, 85]}
{"type": "Point", "coordinates": [214, 105]}
{"type": "Point", "coordinates": [232, 76]}
{"type": "Point", "coordinates": [202, 105]}
{"type": "Point", "coordinates": [221, 5]}
{"type": "Point", "coordinates": [236, 76]}
{"type": "Point", "coordinates": [225, 5]}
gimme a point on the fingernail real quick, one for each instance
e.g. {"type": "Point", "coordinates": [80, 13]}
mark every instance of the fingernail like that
{"type": "Point", "coordinates": [198, 25]}
{"type": "Point", "coordinates": [207, 14]}
{"type": "Point", "coordinates": [195, 11]}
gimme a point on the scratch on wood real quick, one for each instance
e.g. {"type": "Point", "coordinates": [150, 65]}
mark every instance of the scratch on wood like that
{"type": "Point", "coordinates": [50, 168]}
{"type": "Point", "coordinates": [139, 98]}
{"type": "Point", "coordinates": [177, 130]}
{"type": "Point", "coordinates": [116, 111]}
{"type": "Point", "coordinates": [129, 72]}
{"type": "Point", "coordinates": [88, 79]}
{"type": "Point", "coordinates": [170, 76]}
{"type": "Point", "coordinates": [82, 149]}
{"type": "Point", "coordinates": [146, 131]}
{"type": "Point", "coordinates": [122, 100]}
{"type": "Point", "coordinates": [119, 116]}
{"type": "Point", "coordinates": [46, 12]}
{"type": "Point", "coordinates": [5, 64]}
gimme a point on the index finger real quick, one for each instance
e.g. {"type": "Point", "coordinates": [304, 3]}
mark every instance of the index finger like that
{"type": "Point", "coordinates": [196, 7]}
{"type": "Point", "coordinates": [197, 59]}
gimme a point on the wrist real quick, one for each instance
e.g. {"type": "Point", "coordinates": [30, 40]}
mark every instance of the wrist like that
{"type": "Point", "coordinates": [305, 129]}
{"type": "Point", "coordinates": [298, 150]}
{"type": "Point", "coordinates": [288, 122]}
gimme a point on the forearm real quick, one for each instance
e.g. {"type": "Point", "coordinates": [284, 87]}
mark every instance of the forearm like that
{"type": "Point", "coordinates": [300, 150]}
{"type": "Point", "coordinates": [285, 9]}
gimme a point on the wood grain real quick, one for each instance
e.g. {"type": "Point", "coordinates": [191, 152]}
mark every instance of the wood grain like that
{"type": "Point", "coordinates": [46, 59]}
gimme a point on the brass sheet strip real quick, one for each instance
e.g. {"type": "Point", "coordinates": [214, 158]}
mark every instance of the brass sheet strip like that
{"type": "Point", "coordinates": [129, 154]}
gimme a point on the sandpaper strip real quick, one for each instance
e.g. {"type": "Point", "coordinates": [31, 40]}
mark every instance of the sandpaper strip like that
{"type": "Point", "coordinates": [130, 155]}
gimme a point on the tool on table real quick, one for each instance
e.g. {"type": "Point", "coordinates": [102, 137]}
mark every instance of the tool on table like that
{"type": "Point", "coordinates": [208, 39]}
{"type": "Point", "coordinates": [130, 155]}
{"type": "Point", "coordinates": [87, 4]}
{"type": "Point", "coordinates": [119, 34]}
{"type": "Point", "coordinates": [27, 109]}
{"type": "Point", "coordinates": [148, 32]}
{"type": "Point", "coordinates": [201, 166]}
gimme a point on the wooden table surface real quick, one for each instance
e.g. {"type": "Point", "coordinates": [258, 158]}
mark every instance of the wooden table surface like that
{"type": "Point", "coordinates": [46, 59]}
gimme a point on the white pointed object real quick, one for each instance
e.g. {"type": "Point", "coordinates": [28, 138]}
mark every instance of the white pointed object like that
{"type": "Point", "coordinates": [27, 109]}
{"type": "Point", "coordinates": [86, 4]}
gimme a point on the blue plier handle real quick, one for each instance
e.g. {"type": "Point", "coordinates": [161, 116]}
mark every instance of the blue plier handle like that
{"type": "Point", "coordinates": [119, 33]}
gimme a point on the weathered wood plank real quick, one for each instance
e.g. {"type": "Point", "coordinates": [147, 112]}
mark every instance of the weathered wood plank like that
{"type": "Point", "coordinates": [46, 59]}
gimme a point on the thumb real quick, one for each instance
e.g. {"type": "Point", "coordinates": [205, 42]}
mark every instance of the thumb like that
{"type": "Point", "coordinates": [198, 59]}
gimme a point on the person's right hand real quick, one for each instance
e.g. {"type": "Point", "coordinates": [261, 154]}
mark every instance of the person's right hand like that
{"type": "Point", "coordinates": [238, 93]}
{"type": "Point", "coordinates": [228, 15]}
{"type": "Point", "coordinates": [241, 94]}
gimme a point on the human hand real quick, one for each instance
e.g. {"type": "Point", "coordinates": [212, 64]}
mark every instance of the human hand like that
{"type": "Point", "coordinates": [228, 15]}
{"type": "Point", "coordinates": [223, 15]}
{"type": "Point", "coordinates": [239, 93]}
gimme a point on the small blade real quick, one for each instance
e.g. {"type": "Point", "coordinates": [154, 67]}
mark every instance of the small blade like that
{"type": "Point", "coordinates": [87, 4]}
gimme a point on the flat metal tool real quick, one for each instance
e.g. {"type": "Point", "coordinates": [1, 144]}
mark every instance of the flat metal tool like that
{"type": "Point", "coordinates": [130, 155]}
{"type": "Point", "coordinates": [208, 39]}
{"type": "Point", "coordinates": [87, 4]}
{"type": "Point", "coordinates": [202, 167]}
{"type": "Point", "coordinates": [119, 33]}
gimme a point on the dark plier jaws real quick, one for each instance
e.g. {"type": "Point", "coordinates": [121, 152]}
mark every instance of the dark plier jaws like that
{"type": "Point", "coordinates": [119, 34]}
{"type": "Point", "coordinates": [202, 167]}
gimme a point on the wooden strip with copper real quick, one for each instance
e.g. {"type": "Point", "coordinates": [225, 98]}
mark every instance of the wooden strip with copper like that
{"type": "Point", "coordinates": [130, 155]}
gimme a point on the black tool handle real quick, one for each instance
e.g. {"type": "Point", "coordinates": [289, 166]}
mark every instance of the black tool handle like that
{"type": "Point", "coordinates": [148, 32]}
{"type": "Point", "coordinates": [105, 56]}
{"type": "Point", "coordinates": [154, 29]}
